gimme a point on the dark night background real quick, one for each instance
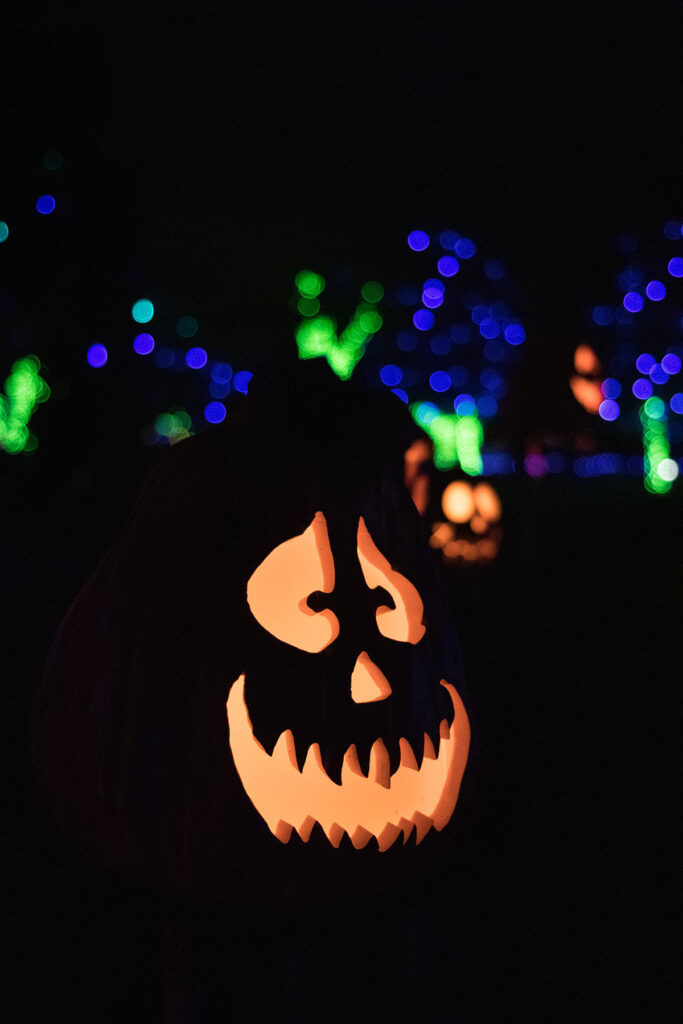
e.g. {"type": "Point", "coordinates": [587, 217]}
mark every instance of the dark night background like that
{"type": "Point", "coordinates": [211, 153]}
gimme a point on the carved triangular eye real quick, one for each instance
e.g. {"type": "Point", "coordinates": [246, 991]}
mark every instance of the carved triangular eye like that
{"type": "Point", "coordinates": [404, 622]}
{"type": "Point", "coordinates": [278, 590]}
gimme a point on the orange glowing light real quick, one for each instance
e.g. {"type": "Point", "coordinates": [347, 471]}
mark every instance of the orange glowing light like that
{"type": "Point", "coordinates": [278, 590]}
{"type": "Point", "coordinates": [487, 502]}
{"type": "Point", "coordinates": [381, 804]}
{"type": "Point", "coordinates": [404, 622]}
{"type": "Point", "coordinates": [416, 476]}
{"type": "Point", "coordinates": [587, 393]}
{"type": "Point", "coordinates": [586, 361]}
{"type": "Point", "coordinates": [457, 501]}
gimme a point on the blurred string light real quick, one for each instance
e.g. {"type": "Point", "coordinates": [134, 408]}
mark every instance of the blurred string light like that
{"type": "Point", "coordinates": [24, 390]}
{"type": "Point", "coordinates": [641, 338]}
{"type": "Point", "coordinates": [318, 336]}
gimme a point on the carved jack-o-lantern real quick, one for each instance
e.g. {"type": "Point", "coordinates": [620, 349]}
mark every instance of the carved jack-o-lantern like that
{"type": "Point", "coordinates": [293, 795]}
{"type": "Point", "coordinates": [274, 567]}
{"type": "Point", "coordinates": [472, 532]}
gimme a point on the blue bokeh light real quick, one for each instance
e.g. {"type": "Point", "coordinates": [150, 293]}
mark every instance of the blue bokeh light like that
{"type": "Point", "coordinates": [45, 204]}
{"type": "Point", "coordinates": [655, 291]}
{"type": "Point", "coordinates": [448, 239]}
{"type": "Point", "coordinates": [219, 389]}
{"type": "Point", "coordinates": [391, 375]}
{"type": "Point", "coordinates": [215, 412]}
{"type": "Point", "coordinates": [439, 381]}
{"type": "Point", "coordinates": [609, 409]}
{"type": "Point", "coordinates": [487, 406]}
{"type": "Point", "coordinates": [494, 270]}
{"type": "Point", "coordinates": [418, 240]}
{"type": "Point", "coordinates": [221, 372]}
{"type": "Point", "coordinates": [676, 403]}
{"type": "Point", "coordinates": [196, 357]}
{"type": "Point", "coordinates": [143, 344]}
{"type": "Point", "coordinates": [465, 248]}
{"type": "Point", "coordinates": [672, 230]}
{"type": "Point", "coordinates": [406, 341]}
{"type": "Point", "coordinates": [440, 344]}
{"type": "Point", "coordinates": [514, 334]}
{"type": "Point", "coordinates": [480, 312]}
{"type": "Point", "coordinates": [464, 405]}
{"type": "Point", "coordinates": [671, 363]}
{"type": "Point", "coordinates": [645, 362]}
{"type": "Point", "coordinates": [432, 301]}
{"type": "Point", "coordinates": [400, 393]}
{"type": "Point", "coordinates": [658, 374]}
{"type": "Point", "coordinates": [97, 355]}
{"type": "Point", "coordinates": [423, 319]}
{"type": "Point", "coordinates": [602, 316]}
{"type": "Point", "coordinates": [495, 351]}
{"type": "Point", "coordinates": [676, 267]}
{"type": "Point", "coordinates": [611, 388]}
{"type": "Point", "coordinates": [489, 328]}
{"type": "Point", "coordinates": [448, 266]}
{"type": "Point", "coordinates": [642, 388]}
{"type": "Point", "coordinates": [633, 302]}
{"type": "Point", "coordinates": [241, 381]}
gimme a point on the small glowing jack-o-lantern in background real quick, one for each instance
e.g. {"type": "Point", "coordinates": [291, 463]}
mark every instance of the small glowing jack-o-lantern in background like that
{"type": "Point", "coordinates": [472, 532]}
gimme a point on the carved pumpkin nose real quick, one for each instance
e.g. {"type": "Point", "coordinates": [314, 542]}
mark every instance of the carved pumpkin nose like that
{"type": "Point", "coordinates": [368, 682]}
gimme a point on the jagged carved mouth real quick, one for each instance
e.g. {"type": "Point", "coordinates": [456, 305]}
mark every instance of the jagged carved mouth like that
{"type": "Point", "coordinates": [381, 804]}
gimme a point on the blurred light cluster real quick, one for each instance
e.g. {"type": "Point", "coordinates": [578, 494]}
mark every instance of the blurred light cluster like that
{"type": "Point", "coordinates": [639, 335]}
{"type": "Point", "coordinates": [318, 335]}
{"type": "Point", "coordinates": [450, 337]}
{"type": "Point", "coordinates": [24, 390]}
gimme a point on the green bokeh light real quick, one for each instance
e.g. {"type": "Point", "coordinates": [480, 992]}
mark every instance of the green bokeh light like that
{"type": "Point", "coordinates": [309, 284]}
{"type": "Point", "coordinates": [187, 326]}
{"type": "Point", "coordinates": [308, 307]}
{"type": "Point", "coordinates": [372, 291]}
{"type": "Point", "coordinates": [142, 311]}
{"type": "Point", "coordinates": [24, 390]}
{"type": "Point", "coordinates": [456, 439]}
{"type": "Point", "coordinates": [656, 447]}
{"type": "Point", "coordinates": [317, 335]}
{"type": "Point", "coordinates": [4, 231]}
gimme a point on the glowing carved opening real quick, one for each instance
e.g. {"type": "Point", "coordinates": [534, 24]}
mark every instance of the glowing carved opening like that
{"type": "Point", "coordinates": [278, 590]}
{"type": "Point", "coordinates": [368, 682]}
{"type": "Point", "coordinates": [404, 622]}
{"type": "Point", "coordinates": [379, 804]}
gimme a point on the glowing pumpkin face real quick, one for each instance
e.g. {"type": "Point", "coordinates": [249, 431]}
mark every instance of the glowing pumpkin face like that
{"type": "Point", "coordinates": [404, 788]}
{"type": "Point", "coordinates": [472, 531]}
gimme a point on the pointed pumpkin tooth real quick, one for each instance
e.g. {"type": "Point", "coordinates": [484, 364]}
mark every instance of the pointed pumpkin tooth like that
{"type": "Point", "coordinates": [387, 836]}
{"type": "Point", "coordinates": [314, 761]}
{"type": "Point", "coordinates": [406, 827]}
{"type": "Point", "coordinates": [284, 751]}
{"type": "Point", "coordinates": [379, 769]}
{"type": "Point", "coordinates": [350, 764]}
{"type": "Point", "coordinates": [305, 828]}
{"type": "Point", "coordinates": [360, 837]}
{"type": "Point", "coordinates": [444, 729]}
{"type": "Point", "coordinates": [335, 834]}
{"type": "Point", "coordinates": [283, 831]}
{"type": "Point", "coordinates": [407, 756]}
{"type": "Point", "coordinates": [429, 748]}
{"type": "Point", "coordinates": [422, 826]}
